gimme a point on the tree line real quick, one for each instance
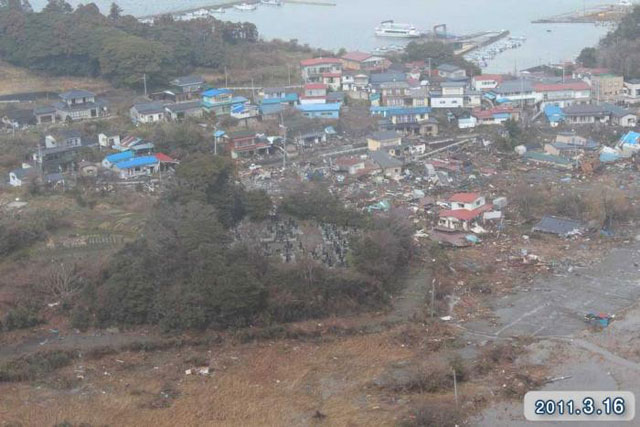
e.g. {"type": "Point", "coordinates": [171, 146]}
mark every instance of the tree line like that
{"type": "Point", "coordinates": [619, 50]}
{"type": "Point", "coordinates": [83, 42]}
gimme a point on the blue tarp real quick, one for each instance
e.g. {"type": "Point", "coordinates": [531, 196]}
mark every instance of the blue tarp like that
{"type": "Point", "coordinates": [606, 157]}
{"type": "Point", "coordinates": [319, 107]}
{"type": "Point", "coordinates": [554, 113]}
{"type": "Point", "coordinates": [215, 92]}
{"type": "Point", "coordinates": [472, 238]}
{"type": "Point", "coordinates": [631, 138]}
{"type": "Point", "coordinates": [137, 162]}
{"type": "Point", "coordinates": [119, 157]}
{"type": "Point", "coordinates": [395, 111]}
{"type": "Point", "coordinates": [289, 97]}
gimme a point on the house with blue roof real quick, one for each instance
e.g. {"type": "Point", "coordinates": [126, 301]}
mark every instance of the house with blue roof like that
{"type": "Point", "coordinates": [221, 101]}
{"type": "Point", "coordinates": [276, 95]}
{"type": "Point", "coordinates": [109, 161]}
{"type": "Point", "coordinates": [320, 111]}
{"type": "Point", "coordinates": [549, 159]}
{"type": "Point", "coordinates": [137, 167]}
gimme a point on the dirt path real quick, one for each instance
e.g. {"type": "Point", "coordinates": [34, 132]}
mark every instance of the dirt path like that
{"type": "Point", "coordinates": [413, 298]}
{"type": "Point", "coordinates": [71, 341]}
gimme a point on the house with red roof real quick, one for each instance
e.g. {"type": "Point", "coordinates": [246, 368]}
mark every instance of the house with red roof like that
{"type": "Point", "coordinates": [245, 143]}
{"type": "Point", "coordinates": [465, 210]}
{"type": "Point", "coordinates": [351, 165]}
{"type": "Point", "coordinates": [314, 93]}
{"type": "Point", "coordinates": [313, 70]}
{"type": "Point", "coordinates": [562, 94]}
{"type": "Point", "coordinates": [486, 81]}
{"type": "Point", "coordinates": [495, 115]}
{"type": "Point", "coordinates": [362, 61]}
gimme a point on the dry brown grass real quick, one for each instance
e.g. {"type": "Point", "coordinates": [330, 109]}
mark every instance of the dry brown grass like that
{"type": "Point", "coordinates": [283, 383]}
{"type": "Point", "coordinates": [16, 80]}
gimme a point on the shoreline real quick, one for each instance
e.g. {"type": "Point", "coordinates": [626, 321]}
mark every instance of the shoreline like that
{"type": "Point", "coordinates": [225, 5]}
{"type": "Point", "coordinates": [230, 3]}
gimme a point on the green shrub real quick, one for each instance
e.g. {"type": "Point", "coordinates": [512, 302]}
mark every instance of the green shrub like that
{"type": "Point", "coordinates": [21, 318]}
{"type": "Point", "coordinates": [36, 365]}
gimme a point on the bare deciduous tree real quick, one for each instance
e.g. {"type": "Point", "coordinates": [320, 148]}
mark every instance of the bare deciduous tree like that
{"type": "Point", "coordinates": [61, 280]}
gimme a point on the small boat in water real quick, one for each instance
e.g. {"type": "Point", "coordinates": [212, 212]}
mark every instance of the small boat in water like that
{"type": "Point", "coordinates": [272, 2]}
{"type": "Point", "coordinates": [392, 29]}
{"type": "Point", "coordinates": [245, 6]}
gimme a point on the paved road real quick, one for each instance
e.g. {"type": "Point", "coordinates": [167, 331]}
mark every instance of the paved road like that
{"type": "Point", "coordinates": [555, 306]}
{"type": "Point", "coordinates": [552, 310]}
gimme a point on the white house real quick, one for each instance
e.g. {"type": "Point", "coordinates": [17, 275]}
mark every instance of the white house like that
{"type": "Point", "coordinates": [562, 94]}
{"type": "Point", "coordinates": [65, 138]}
{"type": "Point", "coordinates": [450, 96]}
{"type": "Point", "coordinates": [465, 209]}
{"type": "Point", "coordinates": [108, 140]}
{"type": "Point", "coordinates": [632, 90]}
{"type": "Point", "coordinates": [313, 69]}
{"type": "Point", "coordinates": [314, 93]}
{"type": "Point", "coordinates": [23, 175]}
{"type": "Point", "coordinates": [467, 122]}
{"type": "Point", "coordinates": [149, 112]}
{"type": "Point", "coordinates": [486, 81]}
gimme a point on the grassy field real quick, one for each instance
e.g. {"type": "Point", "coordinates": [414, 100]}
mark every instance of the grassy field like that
{"type": "Point", "coordinates": [271, 384]}
{"type": "Point", "coordinates": [17, 80]}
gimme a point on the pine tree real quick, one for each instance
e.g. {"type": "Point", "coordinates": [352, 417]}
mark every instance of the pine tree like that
{"type": "Point", "coordinates": [115, 11]}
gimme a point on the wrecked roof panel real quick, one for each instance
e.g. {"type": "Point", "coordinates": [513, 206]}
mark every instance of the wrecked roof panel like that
{"type": "Point", "coordinates": [558, 225]}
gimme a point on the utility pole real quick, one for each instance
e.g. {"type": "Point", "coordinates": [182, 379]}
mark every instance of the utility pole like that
{"type": "Point", "coordinates": [522, 97]}
{"type": "Point", "coordinates": [144, 78]}
{"type": "Point", "coordinates": [455, 386]}
{"type": "Point", "coordinates": [215, 139]}
{"type": "Point", "coordinates": [433, 296]}
{"type": "Point", "coordinates": [284, 143]}
{"type": "Point", "coordinates": [284, 149]}
{"type": "Point", "coordinates": [253, 94]}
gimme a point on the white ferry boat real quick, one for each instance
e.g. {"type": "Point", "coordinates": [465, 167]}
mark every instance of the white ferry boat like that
{"type": "Point", "coordinates": [272, 2]}
{"type": "Point", "coordinates": [392, 29]}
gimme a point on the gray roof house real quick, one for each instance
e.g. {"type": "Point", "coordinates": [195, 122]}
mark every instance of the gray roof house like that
{"type": "Point", "coordinates": [564, 227]}
{"type": "Point", "coordinates": [148, 112]}
{"type": "Point", "coordinates": [450, 71]}
{"type": "Point", "coordinates": [189, 83]}
{"type": "Point", "coordinates": [183, 110]}
{"type": "Point", "coordinates": [76, 104]}
{"type": "Point", "coordinates": [390, 166]}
